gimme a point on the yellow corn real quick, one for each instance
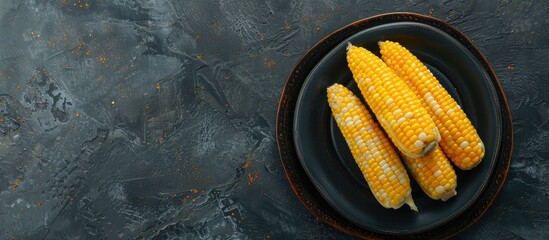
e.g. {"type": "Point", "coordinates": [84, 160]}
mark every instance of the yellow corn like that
{"type": "Point", "coordinates": [372, 151]}
{"type": "Point", "coordinates": [397, 108]}
{"type": "Point", "coordinates": [434, 174]}
{"type": "Point", "coordinates": [460, 140]}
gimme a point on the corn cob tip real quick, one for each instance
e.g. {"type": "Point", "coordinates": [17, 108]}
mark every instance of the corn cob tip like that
{"type": "Point", "coordinates": [447, 195]}
{"type": "Point", "coordinates": [429, 148]}
{"type": "Point", "coordinates": [331, 87]}
{"type": "Point", "coordinates": [410, 202]}
{"type": "Point", "coordinates": [380, 43]}
{"type": "Point", "coordinates": [349, 45]}
{"type": "Point", "coordinates": [425, 150]}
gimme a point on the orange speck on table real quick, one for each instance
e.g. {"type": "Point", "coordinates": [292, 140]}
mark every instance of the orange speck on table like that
{"type": "Point", "coordinates": [15, 184]}
{"type": "Point", "coordinates": [252, 177]}
{"type": "Point", "coordinates": [102, 59]}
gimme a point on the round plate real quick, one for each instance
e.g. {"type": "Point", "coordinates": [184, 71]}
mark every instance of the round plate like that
{"type": "Point", "coordinates": [319, 165]}
{"type": "Point", "coordinates": [323, 152]}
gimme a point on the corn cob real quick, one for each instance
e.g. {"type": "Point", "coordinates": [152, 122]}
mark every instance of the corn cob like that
{"type": "Point", "coordinates": [371, 150]}
{"type": "Point", "coordinates": [434, 174]}
{"type": "Point", "coordinates": [397, 108]}
{"type": "Point", "coordinates": [459, 139]}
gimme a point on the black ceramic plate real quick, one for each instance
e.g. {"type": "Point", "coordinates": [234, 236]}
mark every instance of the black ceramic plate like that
{"type": "Point", "coordinates": [325, 157]}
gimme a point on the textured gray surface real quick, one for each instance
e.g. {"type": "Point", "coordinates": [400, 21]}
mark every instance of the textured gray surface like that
{"type": "Point", "coordinates": [155, 119]}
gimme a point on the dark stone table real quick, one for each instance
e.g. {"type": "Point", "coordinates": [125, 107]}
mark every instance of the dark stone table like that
{"type": "Point", "coordinates": [155, 119]}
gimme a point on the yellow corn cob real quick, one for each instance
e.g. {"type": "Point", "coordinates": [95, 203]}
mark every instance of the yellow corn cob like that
{"type": "Point", "coordinates": [460, 140]}
{"type": "Point", "coordinates": [397, 108]}
{"type": "Point", "coordinates": [434, 174]}
{"type": "Point", "coordinates": [372, 151]}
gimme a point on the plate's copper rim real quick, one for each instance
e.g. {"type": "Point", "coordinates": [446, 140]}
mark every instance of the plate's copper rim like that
{"type": "Point", "coordinates": [304, 188]}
